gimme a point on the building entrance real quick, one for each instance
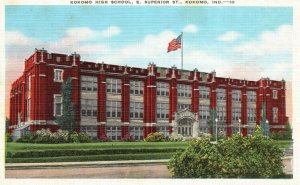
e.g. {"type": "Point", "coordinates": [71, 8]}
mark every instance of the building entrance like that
{"type": "Point", "coordinates": [185, 126]}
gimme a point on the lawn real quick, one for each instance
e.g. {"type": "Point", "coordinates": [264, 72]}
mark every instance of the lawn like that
{"type": "Point", "coordinates": [100, 151]}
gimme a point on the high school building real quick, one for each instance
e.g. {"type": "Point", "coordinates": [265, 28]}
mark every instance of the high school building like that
{"type": "Point", "coordinates": [117, 102]}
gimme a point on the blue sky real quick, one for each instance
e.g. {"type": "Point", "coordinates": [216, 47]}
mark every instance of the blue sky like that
{"type": "Point", "coordinates": [241, 42]}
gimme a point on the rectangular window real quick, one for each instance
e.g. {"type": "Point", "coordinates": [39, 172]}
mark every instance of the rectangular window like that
{"type": "Point", "coordinates": [251, 96]}
{"type": "Point", "coordinates": [163, 130]}
{"type": "Point", "coordinates": [28, 108]}
{"type": "Point", "coordinates": [236, 113]}
{"type": "Point", "coordinates": [89, 83]}
{"type": "Point", "coordinates": [136, 110]}
{"type": "Point", "coordinates": [113, 85]}
{"type": "Point", "coordinates": [162, 89]}
{"type": "Point", "coordinates": [137, 133]}
{"type": "Point", "coordinates": [57, 105]}
{"type": "Point", "coordinates": [236, 95]}
{"type": "Point", "coordinates": [58, 75]}
{"type": "Point", "coordinates": [183, 90]}
{"type": "Point", "coordinates": [88, 108]}
{"type": "Point", "coordinates": [221, 113]}
{"type": "Point", "coordinates": [113, 109]}
{"type": "Point", "coordinates": [275, 94]}
{"type": "Point", "coordinates": [221, 94]}
{"type": "Point", "coordinates": [204, 112]}
{"type": "Point", "coordinates": [275, 114]}
{"type": "Point", "coordinates": [203, 92]}
{"type": "Point", "coordinates": [136, 87]}
{"type": "Point", "coordinates": [181, 106]}
{"type": "Point", "coordinates": [251, 114]}
{"type": "Point", "coordinates": [29, 83]}
{"type": "Point", "coordinates": [114, 133]}
{"type": "Point", "coordinates": [162, 111]}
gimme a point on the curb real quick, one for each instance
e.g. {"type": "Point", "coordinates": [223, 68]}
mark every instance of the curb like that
{"type": "Point", "coordinates": [89, 163]}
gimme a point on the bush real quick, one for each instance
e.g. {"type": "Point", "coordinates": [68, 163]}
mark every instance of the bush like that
{"type": "Point", "coordinates": [46, 136]}
{"type": "Point", "coordinates": [155, 137]}
{"type": "Point", "coordinates": [236, 157]}
{"type": "Point", "coordinates": [8, 137]}
{"type": "Point", "coordinates": [175, 137]}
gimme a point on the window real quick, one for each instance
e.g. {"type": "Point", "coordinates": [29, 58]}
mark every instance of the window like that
{"type": "Point", "coordinates": [163, 130]}
{"type": "Point", "coordinates": [203, 92]}
{"type": "Point", "coordinates": [221, 94]}
{"type": "Point", "coordinates": [221, 113]}
{"type": "Point", "coordinates": [29, 83]}
{"type": "Point", "coordinates": [137, 133]}
{"type": "Point", "coordinates": [113, 85]}
{"type": "Point", "coordinates": [58, 75]}
{"type": "Point", "coordinates": [204, 112]}
{"type": "Point", "coordinates": [91, 130]}
{"type": "Point", "coordinates": [181, 106]}
{"type": "Point", "coordinates": [251, 114]}
{"type": "Point", "coordinates": [88, 108]}
{"type": "Point", "coordinates": [183, 90]}
{"type": "Point", "coordinates": [113, 133]}
{"type": "Point", "coordinates": [251, 96]}
{"type": "Point", "coordinates": [162, 89]}
{"type": "Point", "coordinates": [236, 95]}
{"type": "Point", "coordinates": [28, 108]}
{"type": "Point", "coordinates": [113, 109]}
{"type": "Point", "coordinates": [136, 109]}
{"type": "Point", "coordinates": [162, 111]}
{"type": "Point", "coordinates": [275, 114]}
{"type": "Point", "coordinates": [137, 87]}
{"type": "Point", "coordinates": [57, 105]}
{"type": "Point", "coordinates": [89, 83]}
{"type": "Point", "coordinates": [236, 113]}
{"type": "Point", "coordinates": [57, 59]}
{"type": "Point", "coordinates": [274, 94]}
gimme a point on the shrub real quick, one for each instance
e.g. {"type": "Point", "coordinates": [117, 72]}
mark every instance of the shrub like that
{"type": "Point", "coordinates": [46, 136]}
{"type": "Point", "coordinates": [175, 137]}
{"type": "Point", "coordinates": [155, 137]}
{"type": "Point", "coordinates": [236, 157]}
{"type": "Point", "coordinates": [8, 137]}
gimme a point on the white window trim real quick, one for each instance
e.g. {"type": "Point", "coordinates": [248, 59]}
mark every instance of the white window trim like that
{"type": "Point", "coordinates": [54, 107]}
{"type": "Point", "coordinates": [62, 73]}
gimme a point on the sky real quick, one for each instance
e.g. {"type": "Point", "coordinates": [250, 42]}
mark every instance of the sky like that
{"type": "Point", "coordinates": [237, 42]}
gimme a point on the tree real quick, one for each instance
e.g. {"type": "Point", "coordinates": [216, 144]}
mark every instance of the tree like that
{"type": "Point", "coordinates": [67, 119]}
{"type": "Point", "coordinates": [253, 156]}
{"type": "Point", "coordinates": [7, 123]}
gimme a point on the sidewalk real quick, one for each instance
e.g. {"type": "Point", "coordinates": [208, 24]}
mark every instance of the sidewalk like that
{"type": "Point", "coordinates": [85, 163]}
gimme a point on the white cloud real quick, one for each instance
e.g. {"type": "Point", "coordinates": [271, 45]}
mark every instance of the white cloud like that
{"type": "Point", "coordinates": [269, 42]}
{"type": "Point", "coordinates": [111, 31]}
{"type": "Point", "coordinates": [190, 28]}
{"type": "Point", "coordinates": [229, 36]}
{"type": "Point", "coordinates": [18, 38]}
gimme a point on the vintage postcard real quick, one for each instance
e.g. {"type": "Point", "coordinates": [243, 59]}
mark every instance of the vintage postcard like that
{"type": "Point", "coordinates": [134, 90]}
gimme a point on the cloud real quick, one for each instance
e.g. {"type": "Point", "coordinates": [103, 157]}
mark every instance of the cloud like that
{"type": "Point", "coordinates": [111, 31]}
{"type": "Point", "coordinates": [229, 36]}
{"type": "Point", "coordinates": [269, 42]}
{"type": "Point", "coordinates": [18, 38]}
{"type": "Point", "coordinates": [190, 28]}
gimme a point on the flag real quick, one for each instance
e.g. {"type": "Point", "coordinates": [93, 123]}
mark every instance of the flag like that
{"type": "Point", "coordinates": [175, 44]}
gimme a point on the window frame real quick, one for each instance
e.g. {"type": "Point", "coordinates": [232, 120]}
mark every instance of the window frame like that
{"type": "Point", "coordinates": [55, 76]}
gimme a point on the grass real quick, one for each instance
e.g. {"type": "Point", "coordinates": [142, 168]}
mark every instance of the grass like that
{"type": "Point", "coordinates": [106, 151]}
{"type": "Point", "coordinates": [101, 151]}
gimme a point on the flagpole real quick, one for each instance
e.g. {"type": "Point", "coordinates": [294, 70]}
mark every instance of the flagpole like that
{"type": "Point", "coordinates": [181, 51]}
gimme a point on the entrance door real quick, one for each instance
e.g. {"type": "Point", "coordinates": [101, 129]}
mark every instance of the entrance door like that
{"type": "Point", "coordinates": [185, 127]}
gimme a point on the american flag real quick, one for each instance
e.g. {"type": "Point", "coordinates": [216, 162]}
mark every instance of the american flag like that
{"type": "Point", "coordinates": [175, 44]}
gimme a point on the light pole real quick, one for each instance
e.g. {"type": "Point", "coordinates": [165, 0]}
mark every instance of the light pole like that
{"type": "Point", "coordinates": [239, 126]}
{"type": "Point", "coordinates": [216, 129]}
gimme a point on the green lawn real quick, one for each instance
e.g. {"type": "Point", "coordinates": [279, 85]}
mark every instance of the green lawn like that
{"type": "Point", "coordinates": [100, 151]}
